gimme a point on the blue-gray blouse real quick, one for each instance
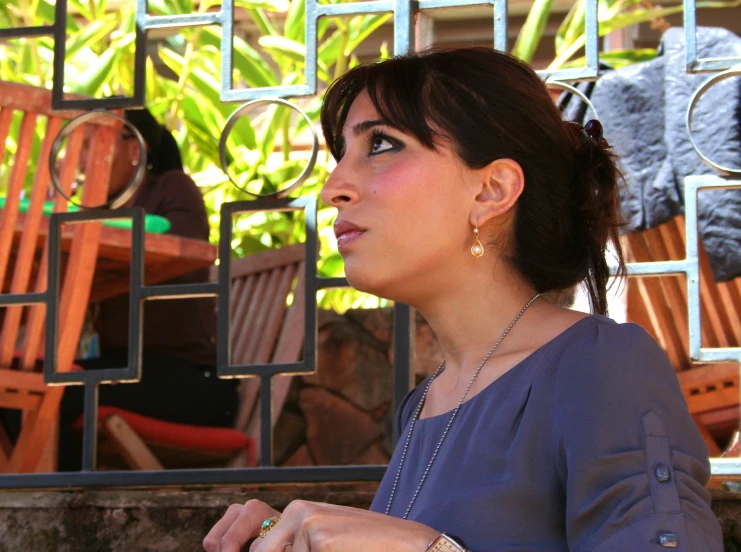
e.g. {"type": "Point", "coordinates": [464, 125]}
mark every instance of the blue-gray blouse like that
{"type": "Point", "coordinates": [585, 446]}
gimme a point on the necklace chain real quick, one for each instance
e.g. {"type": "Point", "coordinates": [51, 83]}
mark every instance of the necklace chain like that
{"type": "Point", "coordinates": [450, 422]}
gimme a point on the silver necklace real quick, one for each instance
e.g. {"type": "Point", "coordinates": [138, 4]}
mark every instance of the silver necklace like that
{"type": "Point", "coordinates": [450, 422]}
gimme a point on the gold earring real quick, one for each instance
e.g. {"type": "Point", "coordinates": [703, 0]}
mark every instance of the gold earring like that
{"type": "Point", "coordinates": [477, 250]}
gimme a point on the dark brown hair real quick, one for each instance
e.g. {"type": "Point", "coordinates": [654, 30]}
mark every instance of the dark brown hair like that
{"type": "Point", "coordinates": [489, 105]}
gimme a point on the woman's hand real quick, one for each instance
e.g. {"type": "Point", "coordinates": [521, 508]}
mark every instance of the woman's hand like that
{"type": "Point", "coordinates": [317, 527]}
{"type": "Point", "coordinates": [240, 524]}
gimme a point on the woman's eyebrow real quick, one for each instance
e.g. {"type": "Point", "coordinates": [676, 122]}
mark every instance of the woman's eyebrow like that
{"type": "Point", "coordinates": [360, 128]}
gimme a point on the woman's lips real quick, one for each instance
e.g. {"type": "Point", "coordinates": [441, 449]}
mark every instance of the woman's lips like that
{"type": "Point", "coordinates": [345, 239]}
{"type": "Point", "coordinates": [346, 233]}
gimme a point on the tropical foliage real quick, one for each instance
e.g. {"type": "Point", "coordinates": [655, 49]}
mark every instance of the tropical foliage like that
{"type": "Point", "coordinates": [264, 152]}
{"type": "Point", "coordinates": [268, 150]}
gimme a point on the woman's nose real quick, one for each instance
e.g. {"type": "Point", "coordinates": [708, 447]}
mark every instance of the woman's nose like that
{"type": "Point", "coordinates": [338, 190]}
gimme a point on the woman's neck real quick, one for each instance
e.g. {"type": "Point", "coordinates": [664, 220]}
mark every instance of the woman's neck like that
{"type": "Point", "coordinates": [469, 318]}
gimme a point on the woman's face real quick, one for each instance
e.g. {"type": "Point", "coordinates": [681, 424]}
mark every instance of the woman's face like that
{"type": "Point", "coordinates": [403, 224]}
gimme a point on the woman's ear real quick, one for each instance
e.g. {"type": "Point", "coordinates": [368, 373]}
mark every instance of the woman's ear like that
{"type": "Point", "coordinates": [132, 151]}
{"type": "Point", "coordinates": [501, 184]}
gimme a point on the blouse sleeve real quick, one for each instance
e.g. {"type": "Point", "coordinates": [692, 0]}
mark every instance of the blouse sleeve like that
{"type": "Point", "coordinates": [630, 459]}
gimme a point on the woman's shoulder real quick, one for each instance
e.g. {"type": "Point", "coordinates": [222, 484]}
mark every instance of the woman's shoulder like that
{"type": "Point", "coordinates": [615, 375]}
{"type": "Point", "coordinates": [176, 178]}
{"type": "Point", "coordinates": [599, 344]}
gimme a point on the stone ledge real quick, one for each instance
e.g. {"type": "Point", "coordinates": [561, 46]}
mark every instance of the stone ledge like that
{"type": "Point", "coordinates": [164, 520]}
{"type": "Point", "coordinates": [141, 520]}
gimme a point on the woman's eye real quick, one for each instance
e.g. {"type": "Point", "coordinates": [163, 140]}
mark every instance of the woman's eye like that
{"type": "Point", "coordinates": [379, 145]}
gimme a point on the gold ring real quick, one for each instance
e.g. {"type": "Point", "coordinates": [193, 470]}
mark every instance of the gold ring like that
{"type": "Point", "coordinates": [267, 525]}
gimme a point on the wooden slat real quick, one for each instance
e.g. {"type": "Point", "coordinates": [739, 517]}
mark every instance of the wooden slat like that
{"type": "Point", "coordinates": [25, 256]}
{"type": "Point", "coordinates": [288, 349]}
{"type": "Point", "coordinates": [242, 291]}
{"type": "Point", "coordinates": [250, 330]}
{"type": "Point", "coordinates": [731, 298]}
{"type": "Point", "coordinates": [709, 336]}
{"type": "Point", "coordinates": [713, 448]}
{"type": "Point", "coordinates": [15, 187]}
{"type": "Point", "coordinates": [659, 314]}
{"type": "Point", "coordinates": [23, 97]}
{"type": "Point", "coordinates": [6, 118]}
{"type": "Point", "coordinates": [709, 374]}
{"type": "Point", "coordinates": [268, 260]}
{"type": "Point", "coordinates": [129, 445]}
{"type": "Point", "coordinates": [74, 299]}
{"type": "Point", "coordinates": [663, 247]}
{"type": "Point", "coordinates": [19, 401]}
{"type": "Point", "coordinates": [261, 316]}
{"type": "Point", "coordinates": [662, 298]}
{"type": "Point", "coordinates": [33, 335]}
{"type": "Point", "coordinates": [711, 387]}
{"type": "Point", "coordinates": [275, 316]}
{"type": "Point", "coordinates": [709, 295]}
{"type": "Point", "coordinates": [21, 379]}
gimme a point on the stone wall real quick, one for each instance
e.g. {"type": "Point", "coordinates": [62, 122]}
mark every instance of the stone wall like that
{"type": "Point", "coordinates": [177, 520]}
{"type": "Point", "coordinates": [353, 385]}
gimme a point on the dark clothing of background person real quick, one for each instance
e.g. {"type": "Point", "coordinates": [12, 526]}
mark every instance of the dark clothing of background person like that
{"type": "Point", "coordinates": [179, 382]}
{"type": "Point", "coordinates": [184, 328]}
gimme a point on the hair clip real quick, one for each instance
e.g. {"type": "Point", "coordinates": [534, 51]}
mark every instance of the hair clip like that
{"type": "Point", "coordinates": [592, 131]}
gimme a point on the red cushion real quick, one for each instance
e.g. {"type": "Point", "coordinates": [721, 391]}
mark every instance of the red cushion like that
{"type": "Point", "coordinates": [213, 439]}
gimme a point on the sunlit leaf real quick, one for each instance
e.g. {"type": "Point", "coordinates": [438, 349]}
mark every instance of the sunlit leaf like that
{"type": "Point", "coordinates": [93, 77]}
{"type": "Point", "coordinates": [532, 30]}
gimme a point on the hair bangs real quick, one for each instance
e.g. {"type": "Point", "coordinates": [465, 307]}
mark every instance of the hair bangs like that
{"type": "Point", "coordinates": [398, 89]}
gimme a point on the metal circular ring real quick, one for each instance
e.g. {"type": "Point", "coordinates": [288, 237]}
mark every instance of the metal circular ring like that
{"type": "Point", "coordinates": [129, 190]}
{"type": "Point", "coordinates": [232, 120]}
{"type": "Point", "coordinates": [574, 90]}
{"type": "Point", "coordinates": [732, 72]}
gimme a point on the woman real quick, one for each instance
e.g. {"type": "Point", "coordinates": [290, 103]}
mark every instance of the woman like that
{"type": "Point", "coordinates": [461, 192]}
{"type": "Point", "coordinates": [179, 382]}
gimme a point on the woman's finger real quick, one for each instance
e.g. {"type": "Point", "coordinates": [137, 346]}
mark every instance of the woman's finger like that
{"type": "Point", "coordinates": [211, 542]}
{"type": "Point", "coordinates": [246, 526]}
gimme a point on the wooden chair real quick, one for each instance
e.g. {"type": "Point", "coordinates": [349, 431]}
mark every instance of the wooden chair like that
{"type": "Point", "coordinates": [24, 111]}
{"type": "Point", "coordinates": [660, 305]}
{"type": "Point", "coordinates": [263, 329]}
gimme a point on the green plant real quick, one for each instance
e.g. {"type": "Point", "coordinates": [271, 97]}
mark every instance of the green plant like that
{"type": "Point", "coordinates": [99, 62]}
{"type": "Point", "coordinates": [612, 15]}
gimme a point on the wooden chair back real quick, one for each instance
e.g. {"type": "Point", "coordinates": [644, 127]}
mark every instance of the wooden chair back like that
{"type": "Point", "coordinates": [263, 328]}
{"type": "Point", "coordinates": [659, 304]}
{"type": "Point", "coordinates": [25, 112]}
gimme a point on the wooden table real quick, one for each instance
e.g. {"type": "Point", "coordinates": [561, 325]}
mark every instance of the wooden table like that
{"type": "Point", "coordinates": [166, 256]}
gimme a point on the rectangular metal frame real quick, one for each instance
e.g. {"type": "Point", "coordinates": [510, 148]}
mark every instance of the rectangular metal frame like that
{"type": "Point", "coordinates": [696, 64]}
{"type": "Point", "coordinates": [402, 11]}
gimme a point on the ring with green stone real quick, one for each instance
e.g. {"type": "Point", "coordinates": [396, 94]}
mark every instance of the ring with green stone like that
{"type": "Point", "coordinates": [267, 525]}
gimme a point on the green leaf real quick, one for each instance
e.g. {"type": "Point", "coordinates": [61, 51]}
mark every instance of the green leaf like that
{"type": "Point", "coordinates": [293, 28]}
{"type": "Point", "coordinates": [532, 30]}
{"type": "Point", "coordinates": [81, 8]}
{"type": "Point", "coordinates": [262, 22]}
{"type": "Point", "coordinates": [279, 46]}
{"type": "Point", "coordinates": [97, 72]}
{"type": "Point", "coordinates": [571, 27]}
{"type": "Point", "coordinates": [618, 58]}
{"type": "Point", "coordinates": [270, 5]}
{"type": "Point", "coordinates": [91, 34]}
{"type": "Point", "coordinates": [365, 27]}
{"type": "Point", "coordinates": [642, 15]}
{"type": "Point", "coordinates": [252, 68]}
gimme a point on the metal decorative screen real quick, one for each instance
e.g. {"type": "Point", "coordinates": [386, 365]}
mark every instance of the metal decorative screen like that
{"type": "Point", "coordinates": [403, 19]}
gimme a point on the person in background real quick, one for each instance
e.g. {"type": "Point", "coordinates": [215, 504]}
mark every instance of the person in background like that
{"type": "Point", "coordinates": [179, 382]}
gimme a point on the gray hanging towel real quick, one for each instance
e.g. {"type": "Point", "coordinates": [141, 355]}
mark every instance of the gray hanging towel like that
{"type": "Point", "coordinates": [643, 108]}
